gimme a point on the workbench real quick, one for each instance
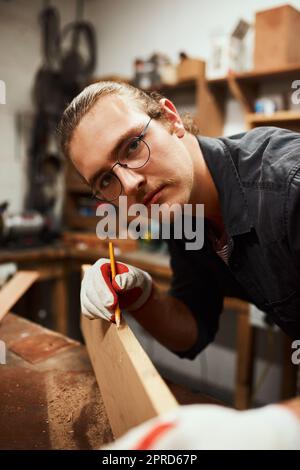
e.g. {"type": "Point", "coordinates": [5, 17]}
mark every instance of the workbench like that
{"type": "Point", "coordinates": [49, 395]}
{"type": "Point", "coordinates": [50, 262]}
{"type": "Point", "coordinates": [57, 262]}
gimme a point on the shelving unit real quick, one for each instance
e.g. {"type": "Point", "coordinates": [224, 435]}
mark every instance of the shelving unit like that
{"type": "Point", "coordinates": [289, 71]}
{"type": "Point", "coordinates": [245, 88]}
{"type": "Point", "coordinates": [205, 100]}
{"type": "Point", "coordinates": [288, 119]}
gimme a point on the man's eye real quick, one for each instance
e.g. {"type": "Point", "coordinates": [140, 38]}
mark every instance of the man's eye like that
{"type": "Point", "coordinates": [133, 146]}
{"type": "Point", "coordinates": [105, 181]}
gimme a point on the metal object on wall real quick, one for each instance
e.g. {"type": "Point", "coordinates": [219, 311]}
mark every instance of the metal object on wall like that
{"type": "Point", "coordinates": [63, 73]}
{"type": "Point", "coordinates": [26, 229]}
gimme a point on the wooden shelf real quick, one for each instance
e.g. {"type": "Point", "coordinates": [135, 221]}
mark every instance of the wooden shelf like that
{"type": "Point", "coordinates": [180, 86]}
{"type": "Point", "coordinates": [258, 75]}
{"type": "Point", "coordinates": [221, 81]}
{"type": "Point", "coordinates": [280, 116]}
{"type": "Point", "coordinates": [245, 88]}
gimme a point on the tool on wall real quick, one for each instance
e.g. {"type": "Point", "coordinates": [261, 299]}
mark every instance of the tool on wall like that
{"type": "Point", "coordinates": [79, 60]}
{"type": "Point", "coordinates": [64, 72]}
{"type": "Point", "coordinates": [24, 229]}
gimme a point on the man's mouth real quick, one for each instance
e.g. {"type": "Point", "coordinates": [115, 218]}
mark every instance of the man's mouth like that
{"type": "Point", "coordinates": [153, 196]}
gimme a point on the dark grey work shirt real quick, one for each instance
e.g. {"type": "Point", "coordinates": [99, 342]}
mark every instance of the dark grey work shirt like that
{"type": "Point", "coordinates": [257, 175]}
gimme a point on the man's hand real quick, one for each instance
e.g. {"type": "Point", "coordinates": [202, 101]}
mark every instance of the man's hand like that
{"type": "Point", "coordinates": [100, 293]}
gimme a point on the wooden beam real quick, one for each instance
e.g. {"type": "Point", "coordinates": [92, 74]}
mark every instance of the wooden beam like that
{"type": "Point", "coordinates": [131, 388]}
{"type": "Point", "coordinates": [244, 95]}
{"type": "Point", "coordinates": [13, 290]}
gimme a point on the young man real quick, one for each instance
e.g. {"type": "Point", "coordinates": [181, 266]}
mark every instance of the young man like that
{"type": "Point", "coordinates": [123, 142]}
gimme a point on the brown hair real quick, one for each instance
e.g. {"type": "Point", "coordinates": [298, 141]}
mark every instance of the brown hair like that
{"type": "Point", "coordinates": [83, 102]}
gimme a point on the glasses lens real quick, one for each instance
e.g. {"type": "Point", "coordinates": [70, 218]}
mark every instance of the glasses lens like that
{"type": "Point", "coordinates": [108, 187]}
{"type": "Point", "coordinates": [135, 154]}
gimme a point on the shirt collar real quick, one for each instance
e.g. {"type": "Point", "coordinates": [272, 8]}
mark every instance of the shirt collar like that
{"type": "Point", "coordinates": [233, 200]}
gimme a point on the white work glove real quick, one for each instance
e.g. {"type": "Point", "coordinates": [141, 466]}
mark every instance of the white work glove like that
{"type": "Point", "coordinates": [200, 427]}
{"type": "Point", "coordinates": [100, 294]}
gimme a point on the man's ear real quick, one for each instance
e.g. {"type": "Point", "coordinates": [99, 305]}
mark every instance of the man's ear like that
{"type": "Point", "coordinates": [171, 114]}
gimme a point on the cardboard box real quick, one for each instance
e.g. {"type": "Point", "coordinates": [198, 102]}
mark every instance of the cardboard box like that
{"type": "Point", "coordinates": [276, 37]}
{"type": "Point", "coordinates": [190, 69]}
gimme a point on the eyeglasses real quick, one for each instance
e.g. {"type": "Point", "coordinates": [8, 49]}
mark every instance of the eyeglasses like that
{"type": "Point", "coordinates": [133, 154]}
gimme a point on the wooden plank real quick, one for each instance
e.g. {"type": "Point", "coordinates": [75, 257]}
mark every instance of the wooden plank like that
{"type": "Point", "coordinates": [244, 95]}
{"type": "Point", "coordinates": [279, 116]}
{"type": "Point", "coordinates": [258, 75]}
{"type": "Point", "coordinates": [13, 290]}
{"type": "Point", "coordinates": [40, 255]}
{"type": "Point", "coordinates": [131, 387]}
{"type": "Point", "coordinates": [211, 109]}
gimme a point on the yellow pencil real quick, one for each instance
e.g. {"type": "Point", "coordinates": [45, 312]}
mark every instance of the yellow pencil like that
{"type": "Point", "coordinates": [113, 273]}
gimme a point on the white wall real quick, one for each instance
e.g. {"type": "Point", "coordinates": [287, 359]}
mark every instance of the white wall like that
{"type": "Point", "coordinates": [131, 28]}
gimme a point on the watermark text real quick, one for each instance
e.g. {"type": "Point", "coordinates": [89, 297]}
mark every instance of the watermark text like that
{"type": "Point", "coordinates": [296, 354]}
{"type": "Point", "coordinates": [295, 98]}
{"type": "Point", "coordinates": [178, 222]}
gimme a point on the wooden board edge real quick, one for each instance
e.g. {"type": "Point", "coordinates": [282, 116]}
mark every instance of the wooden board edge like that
{"type": "Point", "coordinates": [131, 388]}
{"type": "Point", "coordinates": [13, 290]}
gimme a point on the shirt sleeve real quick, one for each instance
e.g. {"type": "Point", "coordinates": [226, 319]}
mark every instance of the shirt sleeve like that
{"type": "Point", "coordinates": [195, 286]}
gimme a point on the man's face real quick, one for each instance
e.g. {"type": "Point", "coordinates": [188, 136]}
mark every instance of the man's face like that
{"type": "Point", "coordinates": [168, 175]}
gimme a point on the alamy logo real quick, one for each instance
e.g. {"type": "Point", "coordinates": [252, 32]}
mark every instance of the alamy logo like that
{"type": "Point", "coordinates": [296, 354]}
{"type": "Point", "coordinates": [296, 94]}
{"type": "Point", "coordinates": [2, 353]}
{"type": "Point", "coordinates": [2, 92]}
{"type": "Point", "coordinates": [187, 222]}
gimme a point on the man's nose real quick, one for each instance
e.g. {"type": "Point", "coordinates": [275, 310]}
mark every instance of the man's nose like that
{"type": "Point", "coordinates": [132, 181]}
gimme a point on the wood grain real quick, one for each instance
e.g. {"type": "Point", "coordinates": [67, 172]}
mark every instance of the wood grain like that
{"type": "Point", "coordinates": [131, 387]}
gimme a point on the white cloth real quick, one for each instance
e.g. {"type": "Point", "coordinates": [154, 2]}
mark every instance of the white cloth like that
{"type": "Point", "coordinates": [199, 427]}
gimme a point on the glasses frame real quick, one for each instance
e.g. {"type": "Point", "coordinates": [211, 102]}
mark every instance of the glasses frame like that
{"type": "Point", "coordinates": [139, 138]}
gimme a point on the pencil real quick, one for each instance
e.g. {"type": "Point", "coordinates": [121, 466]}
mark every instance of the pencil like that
{"type": "Point", "coordinates": [113, 273]}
